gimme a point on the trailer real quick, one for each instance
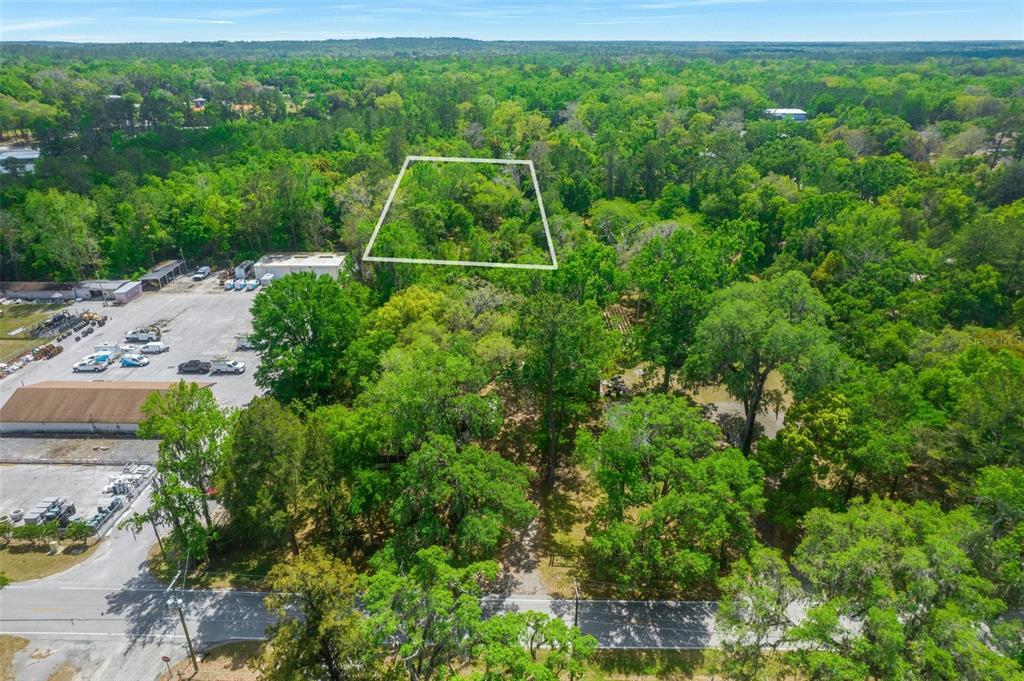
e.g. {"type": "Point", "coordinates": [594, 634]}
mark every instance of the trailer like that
{"type": "Point", "coordinates": [244, 270]}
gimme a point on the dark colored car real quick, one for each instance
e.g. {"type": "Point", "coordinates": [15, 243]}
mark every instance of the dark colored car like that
{"type": "Point", "coordinates": [194, 366]}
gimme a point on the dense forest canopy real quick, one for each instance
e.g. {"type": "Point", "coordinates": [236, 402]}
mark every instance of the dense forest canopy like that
{"type": "Point", "coordinates": [859, 273]}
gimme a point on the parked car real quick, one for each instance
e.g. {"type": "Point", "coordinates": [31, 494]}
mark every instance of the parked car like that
{"type": "Point", "coordinates": [17, 514]}
{"type": "Point", "coordinates": [228, 366]}
{"type": "Point", "coordinates": [239, 284]}
{"type": "Point", "coordinates": [201, 273]}
{"type": "Point", "coordinates": [154, 348]}
{"type": "Point", "coordinates": [253, 284]}
{"type": "Point", "coordinates": [134, 360]}
{"type": "Point", "coordinates": [194, 366]}
{"type": "Point", "coordinates": [243, 343]}
{"type": "Point", "coordinates": [142, 335]}
{"type": "Point", "coordinates": [90, 364]}
{"type": "Point", "coordinates": [229, 284]}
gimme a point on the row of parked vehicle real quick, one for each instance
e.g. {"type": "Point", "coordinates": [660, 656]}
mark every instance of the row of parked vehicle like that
{"type": "Point", "coordinates": [247, 284]}
{"type": "Point", "coordinates": [221, 365]}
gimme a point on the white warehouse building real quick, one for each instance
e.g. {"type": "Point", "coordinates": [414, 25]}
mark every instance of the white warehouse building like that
{"type": "Point", "coordinates": [281, 264]}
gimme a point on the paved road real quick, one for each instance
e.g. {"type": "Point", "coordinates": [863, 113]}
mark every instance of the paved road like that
{"type": "Point", "coordinates": [109, 619]}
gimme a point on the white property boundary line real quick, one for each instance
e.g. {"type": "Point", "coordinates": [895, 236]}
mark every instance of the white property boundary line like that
{"type": "Point", "coordinates": [464, 263]}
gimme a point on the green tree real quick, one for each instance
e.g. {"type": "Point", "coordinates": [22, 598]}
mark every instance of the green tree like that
{"type": "Point", "coordinates": [430, 611]}
{"type": "Point", "coordinates": [78, 530]}
{"type": "Point", "coordinates": [903, 573]}
{"type": "Point", "coordinates": [513, 643]}
{"type": "Point", "coordinates": [688, 533]}
{"type": "Point", "coordinates": [191, 427]}
{"type": "Point", "coordinates": [57, 237]}
{"type": "Point", "coordinates": [999, 496]}
{"type": "Point", "coordinates": [675, 277]}
{"type": "Point", "coordinates": [567, 348]}
{"type": "Point", "coordinates": [753, 613]}
{"type": "Point", "coordinates": [319, 632]}
{"type": "Point", "coordinates": [426, 388]}
{"type": "Point", "coordinates": [302, 326]}
{"type": "Point", "coordinates": [262, 474]}
{"type": "Point", "coordinates": [754, 329]}
{"type": "Point", "coordinates": [464, 499]}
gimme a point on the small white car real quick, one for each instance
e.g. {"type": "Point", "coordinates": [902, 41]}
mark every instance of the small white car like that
{"type": "Point", "coordinates": [154, 348]}
{"type": "Point", "coordinates": [253, 284]}
{"type": "Point", "coordinates": [134, 360]}
{"type": "Point", "coordinates": [239, 284]}
{"type": "Point", "coordinates": [229, 284]}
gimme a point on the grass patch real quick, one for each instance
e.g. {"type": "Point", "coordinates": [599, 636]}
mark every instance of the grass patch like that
{"type": "Point", "coordinates": [22, 562]}
{"type": "Point", "coordinates": [22, 317]}
{"type": "Point", "coordinates": [230, 566]}
{"type": "Point", "coordinates": [228, 662]}
{"type": "Point", "coordinates": [613, 665]}
{"type": "Point", "coordinates": [9, 645]}
{"type": "Point", "coordinates": [564, 515]}
{"type": "Point", "coordinates": [12, 348]}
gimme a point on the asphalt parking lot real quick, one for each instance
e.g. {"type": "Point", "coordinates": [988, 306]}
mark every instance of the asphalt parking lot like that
{"type": "Point", "coordinates": [199, 320]}
{"type": "Point", "coordinates": [26, 484]}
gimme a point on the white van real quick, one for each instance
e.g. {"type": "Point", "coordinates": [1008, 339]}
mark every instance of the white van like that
{"type": "Point", "coordinates": [154, 348]}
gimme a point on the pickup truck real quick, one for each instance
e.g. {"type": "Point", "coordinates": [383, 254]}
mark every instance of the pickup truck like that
{"type": "Point", "coordinates": [91, 363]}
{"type": "Point", "coordinates": [194, 366]}
{"type": "Point", "coordinates": [142, 335]}
{"type": "Point", "coordinates": [201, 273]}
{"type": "Point", "coordinates": [228, 366]}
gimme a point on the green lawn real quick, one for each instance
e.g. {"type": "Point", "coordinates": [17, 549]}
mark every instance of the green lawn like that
{"type": "Point", "coordinates": [229, 567]}
{"type": "Point", "coordinates": [21, 319]}
{"type": "Point", "coordinates": [21, 562]}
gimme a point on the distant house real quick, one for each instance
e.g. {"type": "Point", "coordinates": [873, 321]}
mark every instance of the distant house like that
{"type": "Point", "coordinates": [786, 114]}
{"type": "Point", "coordinates": [198, 104]}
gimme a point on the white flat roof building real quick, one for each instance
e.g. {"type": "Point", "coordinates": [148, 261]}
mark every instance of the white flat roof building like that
{"type": "Point", "coordinates": [794, 114]}
{"type": "Point", "coordinates": [282, 264]}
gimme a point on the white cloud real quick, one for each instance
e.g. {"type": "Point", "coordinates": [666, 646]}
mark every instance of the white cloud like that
{"type": "Point", "coordinates": [40, 25]}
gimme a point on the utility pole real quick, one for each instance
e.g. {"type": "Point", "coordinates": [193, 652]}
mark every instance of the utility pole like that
{"type": "Point", "coordinates": [176, 603]}
{"type": "Point", "coordinates": [159, 541]}
{"type": "Point", "coordinates": [576, 610]}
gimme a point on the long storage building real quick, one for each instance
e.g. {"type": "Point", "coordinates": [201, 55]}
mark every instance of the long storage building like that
{"type": "Point", "coordinates": [79, 407]}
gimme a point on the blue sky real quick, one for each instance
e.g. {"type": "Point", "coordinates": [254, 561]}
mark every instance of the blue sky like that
{"type": "Point", "coordinates": [763, 20]}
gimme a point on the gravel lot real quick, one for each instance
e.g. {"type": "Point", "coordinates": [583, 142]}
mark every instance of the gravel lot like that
{"type": "Point", "coordinates": [93, 450]}
{"type": "Point", "coordinates": [199, 320]}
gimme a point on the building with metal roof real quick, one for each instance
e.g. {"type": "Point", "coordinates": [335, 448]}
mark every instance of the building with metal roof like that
{"type": "Point", "coordinates": [163, 274]}
{"type": "Point", "coordinates": [79, 406]}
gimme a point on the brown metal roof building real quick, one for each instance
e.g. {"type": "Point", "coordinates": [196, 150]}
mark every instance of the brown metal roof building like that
{"type": "Point", "coordinates": [79, 406]}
